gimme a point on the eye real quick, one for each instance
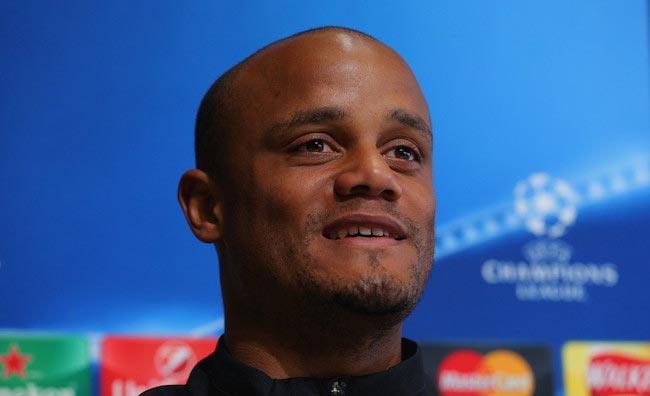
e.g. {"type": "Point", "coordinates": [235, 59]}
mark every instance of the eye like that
{"type": "Point", "coordinates": [314, 146]}
{"type": "Point", "coordinates": [404, 153]}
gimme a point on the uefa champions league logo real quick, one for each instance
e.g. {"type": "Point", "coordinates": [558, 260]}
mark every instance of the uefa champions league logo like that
{"type": "Point", "coordinates": [546, 205]}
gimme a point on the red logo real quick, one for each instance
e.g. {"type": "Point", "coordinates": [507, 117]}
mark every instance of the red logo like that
{"type": "Point", "coordinates": [131, 365]}
{"type": "Point", "coordinates": [14, 363]}
{"type": "Point", "coordinates": [174, 358]}
{"type": "Point", "coordinates": [499, 373]}
{"type": "Point", "coordinates": [616, 374]}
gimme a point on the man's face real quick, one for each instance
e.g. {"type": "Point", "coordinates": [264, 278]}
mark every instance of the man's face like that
{"type": "Point", "coordinates": [331, 193]}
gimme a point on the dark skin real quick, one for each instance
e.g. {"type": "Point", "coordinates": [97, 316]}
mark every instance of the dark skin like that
{"type": "Point", "coordinates": [324, 225]}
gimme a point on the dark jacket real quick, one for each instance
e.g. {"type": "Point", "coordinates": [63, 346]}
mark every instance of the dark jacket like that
{"type": "Point", "coordinates": [220, 374]}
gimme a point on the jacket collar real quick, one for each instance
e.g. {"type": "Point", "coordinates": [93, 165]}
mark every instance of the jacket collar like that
{"type": "Point", "coordinates": [228, 376]}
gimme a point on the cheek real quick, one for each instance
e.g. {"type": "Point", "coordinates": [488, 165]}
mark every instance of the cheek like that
{"type": "Point", "coordinates": [420, 207]}
{"type": "Point", "coordinates": [292, 197]}
{"type": "Point", "coordinates": [421, 199]}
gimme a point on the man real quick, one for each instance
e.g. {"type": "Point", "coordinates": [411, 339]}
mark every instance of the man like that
{"type": "Point", "coordinates": [314, 183]}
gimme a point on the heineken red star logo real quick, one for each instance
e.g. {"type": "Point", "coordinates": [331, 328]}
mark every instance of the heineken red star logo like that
{"type": "Point", "coordinates": [14, 363]}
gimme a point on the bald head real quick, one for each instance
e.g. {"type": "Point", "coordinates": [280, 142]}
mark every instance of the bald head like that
{"type": "Point", "coordinates": [271, 71]}
{"type": "Point", "coordinates": [316, 133]}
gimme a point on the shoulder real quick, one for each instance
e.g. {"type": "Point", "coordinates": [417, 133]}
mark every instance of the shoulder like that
{"type": "Point", "coordinates": [166, 390]}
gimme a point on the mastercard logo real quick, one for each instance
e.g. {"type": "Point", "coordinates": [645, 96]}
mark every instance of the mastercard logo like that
{"type": "Point", "coordinates": [498, 373]}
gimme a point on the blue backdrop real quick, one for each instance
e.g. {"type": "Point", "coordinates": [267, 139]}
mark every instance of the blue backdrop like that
{"type": "Point", "coordinates": [541, 116]}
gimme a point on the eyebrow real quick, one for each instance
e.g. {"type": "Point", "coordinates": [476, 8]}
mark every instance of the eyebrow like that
{"type": "Point", "coordinates": [325, 114]}
{"type": "Point", "coordinates": [412, 121]}
{"type": "Point", "coordinates": [310, 116]}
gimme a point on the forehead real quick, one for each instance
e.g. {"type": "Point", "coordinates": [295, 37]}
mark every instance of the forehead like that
{"type": "Point", "coordinates": [315, 54]}
{"type": "Point", "coordinates": [323, 69]}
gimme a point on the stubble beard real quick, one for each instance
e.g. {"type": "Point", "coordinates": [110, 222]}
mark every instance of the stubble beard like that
{"type": "Point", "coordinates": [376, 296]}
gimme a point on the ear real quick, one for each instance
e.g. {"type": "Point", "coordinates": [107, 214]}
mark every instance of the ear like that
{"type": "Point", "coordinates": [199, 197]}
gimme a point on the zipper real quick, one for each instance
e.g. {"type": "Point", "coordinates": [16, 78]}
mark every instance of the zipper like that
{"type": "Point", "coordinates": [337, 388]}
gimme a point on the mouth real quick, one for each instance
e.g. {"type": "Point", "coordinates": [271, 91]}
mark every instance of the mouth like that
{"type": "Point", "coordinates": [365, 226]}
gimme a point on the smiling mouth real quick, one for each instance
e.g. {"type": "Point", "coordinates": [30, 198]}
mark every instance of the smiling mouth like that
{"type": "Point", "coordinates": [361, 232]}
{"type": "Point", "coordinates": [362, 226]}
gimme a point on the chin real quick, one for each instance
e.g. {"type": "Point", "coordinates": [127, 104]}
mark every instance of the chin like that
{"type": "Point", "coordinates": [378, 296]}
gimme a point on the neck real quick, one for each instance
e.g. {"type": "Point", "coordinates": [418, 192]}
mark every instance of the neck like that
{"type": "Point", "coordinates": [348, 346]}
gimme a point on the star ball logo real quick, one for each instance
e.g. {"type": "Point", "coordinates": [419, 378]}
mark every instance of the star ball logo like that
{"type": "Point", "coordinates": [501, 372]}
{"type": "Point", "coordinates": [547, 206]}
{"type": "Point", "coordinates": [14, 362]}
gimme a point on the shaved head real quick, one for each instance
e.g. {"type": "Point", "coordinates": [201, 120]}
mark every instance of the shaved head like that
{"type": "Point", "coordinates": [218, 116]}
{"type": "Point", "coordinates": [275, 124]}
{"type": "Point", "coordinates": [315, 185]}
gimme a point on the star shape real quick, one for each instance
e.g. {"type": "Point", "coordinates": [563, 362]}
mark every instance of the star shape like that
{"type": "Point", "coordinates": [14, 362]}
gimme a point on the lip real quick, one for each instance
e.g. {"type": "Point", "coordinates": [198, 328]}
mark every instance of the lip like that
{"type": "Point", "coordinates": [395, 229]}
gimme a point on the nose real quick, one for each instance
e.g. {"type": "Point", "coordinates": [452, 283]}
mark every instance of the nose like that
{"type": "Point", "coordinates": [367, 174]}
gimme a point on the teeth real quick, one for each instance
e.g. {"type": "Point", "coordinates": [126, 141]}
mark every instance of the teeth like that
{"type": "Point", "coordinates": [377, 232]}
{"type": "Point", "coordinates": [365, 231]}
{"type": "Point", "coordinates": [355, 231]}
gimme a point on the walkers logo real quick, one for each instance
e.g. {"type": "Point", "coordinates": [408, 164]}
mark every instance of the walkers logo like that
{"type": "Point", "coordinates": [486, 370]}
{"type": "Point", "coordinates": [34, 365]}
{"type": "Point", "coordinates": [498, 373]}
{"type": "Point", "coordinates": [131, 365]}
{"type": "Point", "coordinates": [606, 369]}
{"type": "Point", "coordinates": [547, 207]}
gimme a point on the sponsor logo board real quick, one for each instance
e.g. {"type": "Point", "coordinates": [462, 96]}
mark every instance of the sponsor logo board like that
{"type": "Point", "coordinates": [489, 370]}
{"type": "Point", "coordinates": [44, 365]}
{"type": "Point", "coordinates": [606, 369]}
{"type": "Point", "coordinates": [131, 365]}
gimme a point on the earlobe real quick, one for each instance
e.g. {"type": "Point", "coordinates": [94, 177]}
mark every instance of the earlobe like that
{"type": "Point", "coordinates": [200, 201]}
